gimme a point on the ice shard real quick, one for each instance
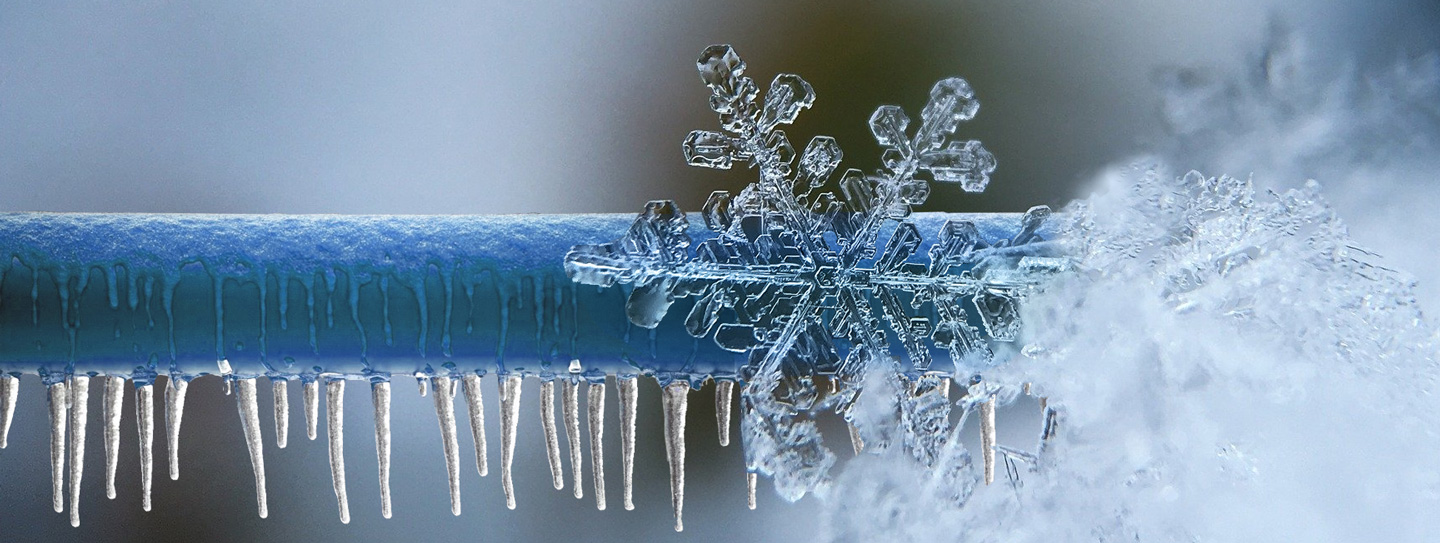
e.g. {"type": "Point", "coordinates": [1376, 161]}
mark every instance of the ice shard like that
{"type": "Point", "coordinates": [175, 389]}
{"type": "Point", "coordinates": [9, 393]}
{"type": "Point", "coordinates": [445, 412]}
{"type": "Point", "coordinates": [145, 431]}
{"type": "Point", "coordinates": [552, 439]}
{"type": "Point", "coordinates": [571, 402]}
{"type": "Point", "coordinates": [113, 399]}
{"type": "Point", "coordinates": [282, 412]}
{"type": "Point", "coordinates": [724, 391]}
{"type": "Point", "coordinates": [79, 413]}
{"type": "Point", "coordinates": [476, 408]}
{"type": "Point", "coordinates": [750, 480]}
{"type": "Point", "coordinates": [335, 427]}
{"type": "Point", "coordinates": [59, 415]}
{"type": "Point", "coordinates": [249, 407]}
{"type": "Point", "coordinates": [310, 396]}
{"type": "Point", "coordinates": [595, 403]}
{"type": "Point", "coordinates": [987, 437]}
{"type": "Point", "coordinates": [380, 397]}
{"type": "Point", "coordinates": [509, 424]}
{"type": "Point", "coordinates": [675, 398]}
{"type": "Point", "coordinates": [629, 397]}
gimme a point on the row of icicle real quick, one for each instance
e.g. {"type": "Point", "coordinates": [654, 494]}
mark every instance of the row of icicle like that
{"type": "Point", "coordinates": [68, 401]}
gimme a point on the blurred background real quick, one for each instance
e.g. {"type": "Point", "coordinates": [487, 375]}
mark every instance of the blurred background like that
{"type": "Point", "coordinates": [552, 107]}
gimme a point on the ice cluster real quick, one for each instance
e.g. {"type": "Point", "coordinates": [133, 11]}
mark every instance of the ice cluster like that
{"type": "Point", "coordinates": [796, 278]}
{"type": "Point", "coordinates": [1229, 367]}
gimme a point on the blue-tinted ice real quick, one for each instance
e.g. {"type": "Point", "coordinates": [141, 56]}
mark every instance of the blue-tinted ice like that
{"type": "Point", "coordinates": [796, 288]}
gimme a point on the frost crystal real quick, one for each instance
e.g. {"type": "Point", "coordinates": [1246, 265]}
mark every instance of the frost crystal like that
{"type": "Point", "coordinates": [796, 277]}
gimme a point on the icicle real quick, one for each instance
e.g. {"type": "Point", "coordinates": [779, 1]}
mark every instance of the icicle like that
{"type": "Point", "coordinates": [174, 411]}
{"type": "Point", "coordinates": [380, 397]}
{"type": "Point", "coordinates": [552, 441]}
{"type": "Point", "coordinates": [571, 401]}
{"type": "Point", "coordinates": [145, 428]}
{"type": "Point", "coordinates": [856, 442]}
{"type": "Point", "coordinates": [595, 404]}
{"type": "Point", "coordinates": [310, 394]}
{"type": "Point", "coordinates": [9, 392]}
{"type": "Point", "coordinates": [675, 399]}
{"type": "Point", "coordinates": [282, 412]}
{"type": "Point", "coordinates": [249, 408]}
{"type": "Point", "coordinates": [509, 423]}
{"type": "Point", "coordinates": [335, 409]}
{"type": "Point", "coordinates": [723, 392]}
{"type": "Point", "coordinates": [750, 486]}
{"type": "Point", "coordinates": [445, 411]}
{"type": "Point", "coordinates": [473, 398]}
{"type": "Point", "coordinates": [79, 410]}
{"type": "Point", "coordinates": [225, 373]}
{"type": "Point", "coordinates": [987, 437]}
{"type": "Point", "coordinates": [629, 396]}
{"type": "Point", "coordinates": [114, 399]}
{"type": "Point", "coordinates": [59, 400]}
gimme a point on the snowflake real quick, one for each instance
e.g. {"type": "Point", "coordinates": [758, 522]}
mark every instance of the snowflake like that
{"type": "Point", "coordinates": [793, 269]}
{"type": "Point", "coordinates": [794, 277]}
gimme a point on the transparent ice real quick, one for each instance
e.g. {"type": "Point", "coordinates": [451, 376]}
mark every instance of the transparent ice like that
{"type": "Point", "coordinates": [795, 276]}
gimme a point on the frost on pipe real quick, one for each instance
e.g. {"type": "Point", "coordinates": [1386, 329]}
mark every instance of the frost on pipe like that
{"type": "Point", "coordinates": [791, 289]}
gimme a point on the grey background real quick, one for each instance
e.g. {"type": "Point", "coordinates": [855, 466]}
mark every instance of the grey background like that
{"type": "Point", "coordinates": [350, 107]}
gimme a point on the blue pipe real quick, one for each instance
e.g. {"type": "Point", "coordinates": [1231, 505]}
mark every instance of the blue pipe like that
{"type": "Point", "coordinates": [355, 296]}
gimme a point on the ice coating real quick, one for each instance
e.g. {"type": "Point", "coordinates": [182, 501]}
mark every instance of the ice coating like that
{"type": "Point", "coordinates": [795, 290]}
{"type": "Point", "coordinates": [520, 313]}
{"type": "Point", "coordinates": [811, 284]}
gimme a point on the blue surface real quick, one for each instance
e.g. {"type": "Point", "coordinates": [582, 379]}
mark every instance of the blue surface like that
{"type": "Point", "coordinates": [358, 296]}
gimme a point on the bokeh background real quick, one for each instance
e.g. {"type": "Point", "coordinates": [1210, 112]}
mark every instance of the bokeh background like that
{"type": "Point", "coordinates": [519, 107]}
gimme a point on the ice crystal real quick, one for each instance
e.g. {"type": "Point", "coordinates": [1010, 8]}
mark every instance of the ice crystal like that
{"type": "Point", "coordinates": [796, 277]}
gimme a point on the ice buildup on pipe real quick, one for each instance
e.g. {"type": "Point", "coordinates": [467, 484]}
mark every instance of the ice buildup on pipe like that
{"type": "Point", "coordinates": [809, 277]}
